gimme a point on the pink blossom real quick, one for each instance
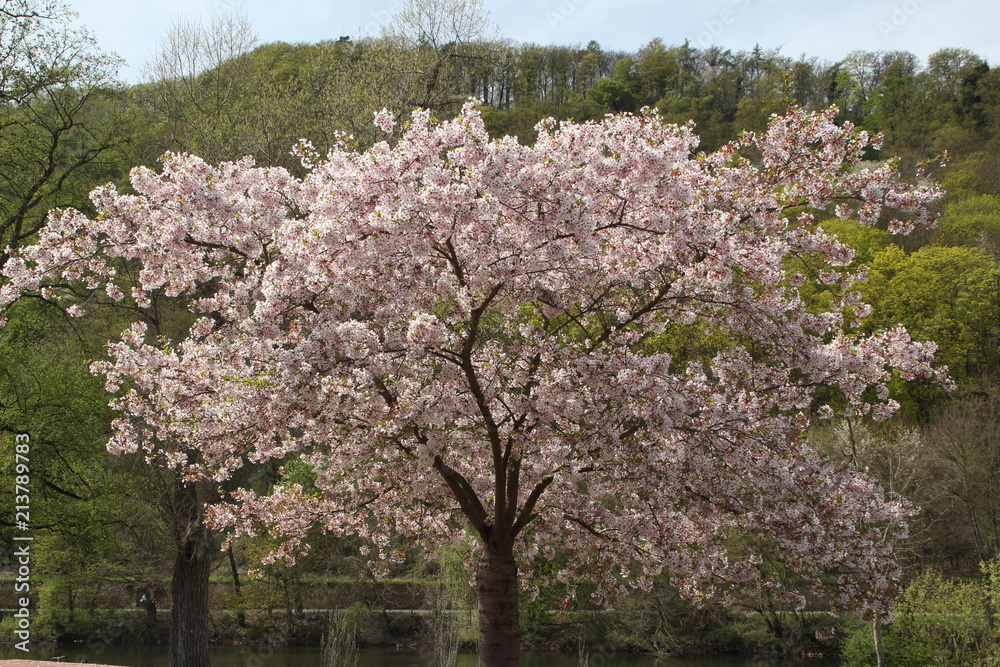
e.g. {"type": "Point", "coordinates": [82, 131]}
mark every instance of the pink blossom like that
{"type": "Point", "coordinates": [384, 120]}
{"type": "Point", "coordinates": [457, 327]}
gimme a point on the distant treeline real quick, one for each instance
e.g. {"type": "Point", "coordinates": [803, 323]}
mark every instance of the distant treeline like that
{"type": "Point", "coordinates": [948, 103]}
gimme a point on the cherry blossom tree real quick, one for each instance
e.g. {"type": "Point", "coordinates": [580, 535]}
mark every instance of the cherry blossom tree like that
{"type": "Point", "coordinates": [469, 338]}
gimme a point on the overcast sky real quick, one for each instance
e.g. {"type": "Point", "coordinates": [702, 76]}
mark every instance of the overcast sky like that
{"type": "Point", "coordinates": [826, 29]}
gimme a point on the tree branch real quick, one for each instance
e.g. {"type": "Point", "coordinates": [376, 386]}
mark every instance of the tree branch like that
{"type": "Point", "coordinates": [467, 498]}
{"type": "Point", "coordinates": [527, 512]}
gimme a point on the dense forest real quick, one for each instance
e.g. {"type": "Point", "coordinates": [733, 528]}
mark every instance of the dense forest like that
{"type": "Point", "coordinates": [107, 526]}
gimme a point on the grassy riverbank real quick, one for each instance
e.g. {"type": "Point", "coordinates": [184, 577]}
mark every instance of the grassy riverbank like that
{"type": "Point", "coordinates": [414, 614]}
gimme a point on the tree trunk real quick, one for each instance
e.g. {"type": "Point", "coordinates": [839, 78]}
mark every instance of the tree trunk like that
{"type": "Point", "coordinates": [499, 617]}
{"type": "Point", "coordinates": [241, 617]}
{"type": "Point", "coordinates": [150, 612]}
{"type": "Point", "coordinates": [877, 636]}
{"type": "Point", "coordinates": [189, 585]}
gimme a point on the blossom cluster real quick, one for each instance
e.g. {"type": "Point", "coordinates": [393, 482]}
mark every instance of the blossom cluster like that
{"type": "Point", "coordinates": [459, 331]}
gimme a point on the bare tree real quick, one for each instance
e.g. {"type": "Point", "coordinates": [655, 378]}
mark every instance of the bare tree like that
{"type": "Point", "coordinates": [435, 43]}
{"type": "Point", "coordinates": [950, 469]}
{"type": "Point", "coordinates": [966, 438]}
{"type": "Point", "coordinates": [195, 84]}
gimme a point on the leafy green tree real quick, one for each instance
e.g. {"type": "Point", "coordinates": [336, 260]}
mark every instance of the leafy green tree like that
{"type": "Point", "coordinates": [866, 241]}
{"type": "Point", "coordinates": [972, 221]}
{"type": "Point", "coordinates": [589, 67]}
{"type": "Point", "coordinates": [975, 173]}
{"type": "Point", "coordinates": [57, 92]}
{"type": "Point", "coordinates": [950, 295]}
{"type": "Point", "coordinates": [613, 95]}
{"type": "Point", "coordinates": [627, 74]}
{"type": "Point", "coordinates": [753, 113]}
{"type": "Point", "coordinates": [321, 91]}
{"type": "Point", "coordinates": [862, 74]}
{"type": "Point", "coordinates": [948, 72]}
{"type": "Point", "coordinates": [713, 129]}
{"type": "Point", "coordinates": [898, 110]}
{"type": "Point", "coordinates": [938, 621]}
{"type": "Point", "coordinates": [664, 71]}
{"type": "Point", "coordinates": [92, 513]}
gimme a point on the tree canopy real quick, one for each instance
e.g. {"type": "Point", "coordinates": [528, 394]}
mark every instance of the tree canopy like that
{"type": "Point", "coordinates": [454, 327]}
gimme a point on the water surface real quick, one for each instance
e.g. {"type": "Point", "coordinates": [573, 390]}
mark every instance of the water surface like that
{"type": "Point", "coordinates": [264, 656]}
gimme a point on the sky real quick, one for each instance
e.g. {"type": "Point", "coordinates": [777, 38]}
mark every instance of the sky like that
{"type": "Point", "coordinates": [828, 30]}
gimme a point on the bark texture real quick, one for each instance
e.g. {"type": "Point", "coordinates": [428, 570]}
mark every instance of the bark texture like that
{"type": "Point", "coordinates": [189, 585]}
{"type": "Point", "coordinates": [499, 617]}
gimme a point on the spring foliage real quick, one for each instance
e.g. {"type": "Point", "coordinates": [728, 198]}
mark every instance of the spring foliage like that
{"type": "Point", "coordinates": [456, 331]}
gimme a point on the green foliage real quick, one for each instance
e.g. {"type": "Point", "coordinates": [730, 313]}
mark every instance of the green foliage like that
{"type": "Point", "coordinates": [712, 127]}
{"type": "Point", "coordinates": [938, 621]}
{"type": "Point", "coordinates": [58, 116]}
{"type": "Point", "coordinates": [451, 599]}
{"type": "Point", "coordinates": [974, 173]}
{"type": "Point", "coordinates": [688, 343]}
{"type": "Point", "coordinates": [891, 109]}
{"type": "Point", "coordinates": [973, 221]}
{"type": "Point", "coordinates": [942, 613]}
{"type": "Point", "coordinates": [97, 532]}
{"type": "Point", "coordinates": [858, 650]}
{"type": "Point", "coordinates": [950, 295]}
{"type": "Point", "coordinates": [613, 95]}
{"type": "Point", "coordinates": [754, 113]}
{"type": "Point", "coordinates": [626, 73]}
{"type": "Point", "coordinates": [866, 241]}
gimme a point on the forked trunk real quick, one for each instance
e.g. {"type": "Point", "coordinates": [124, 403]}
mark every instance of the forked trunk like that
{"type": "Point", "coordinates": [189, 585]}
{"type": "Point", "coordinates": [499, 617]}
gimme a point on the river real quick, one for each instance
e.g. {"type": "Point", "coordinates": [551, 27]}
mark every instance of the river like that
{"type": "Point", "coordinates": [249, 656]}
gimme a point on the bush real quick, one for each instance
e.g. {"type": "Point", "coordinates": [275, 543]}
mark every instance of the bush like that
{"type": "Point", "coordinates": [858, 649]}
{"type": "Point", "coordinates": [938, 621]}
